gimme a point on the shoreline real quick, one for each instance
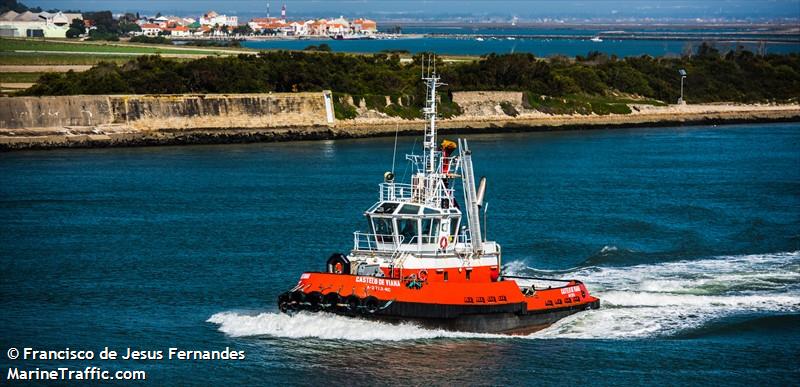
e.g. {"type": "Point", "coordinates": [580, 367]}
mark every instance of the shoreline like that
{"type": "Point", "coordinates": [674, 115]}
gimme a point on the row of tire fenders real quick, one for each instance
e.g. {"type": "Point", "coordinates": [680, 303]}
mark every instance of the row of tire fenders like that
{"type": "Point", "coordinates": [315, 302]}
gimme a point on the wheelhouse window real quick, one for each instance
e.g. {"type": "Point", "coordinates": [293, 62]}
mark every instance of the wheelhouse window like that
{"type": "Point", "coordinates": [384, 229]}
{"type": "Point", "coordinates": [409, 209]}
{"type": "Point", "coordinates": [408, 229]}
{"type": "Point", "coordinates": [386, 208]}
{"type": "Point", "coordinates": [430, 230]}
{"type": "Point", "coordinates": [454, 226]}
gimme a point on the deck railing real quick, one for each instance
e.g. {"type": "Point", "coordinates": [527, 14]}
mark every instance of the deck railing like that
{"type": "Point", "coordinates": [396, 192]}
{"type": "Point", "coordinates": [376, 242]}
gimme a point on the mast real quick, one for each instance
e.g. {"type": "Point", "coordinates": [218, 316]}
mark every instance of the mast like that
{"type": "Point", "coordinates": [431, 82]}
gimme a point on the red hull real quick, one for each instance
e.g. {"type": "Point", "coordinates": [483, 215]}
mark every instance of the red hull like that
{"type": "Point", "coordinates": [494, 306]}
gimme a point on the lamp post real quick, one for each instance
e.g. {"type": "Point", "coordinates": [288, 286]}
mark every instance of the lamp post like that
{"type": "Point", "coordinates": [682, 72]}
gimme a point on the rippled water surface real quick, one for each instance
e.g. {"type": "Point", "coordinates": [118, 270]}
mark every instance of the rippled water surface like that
{"type": "Point", "coordinates": [689, 235]}
{"type": "Point", "coordinates": [543, 47]}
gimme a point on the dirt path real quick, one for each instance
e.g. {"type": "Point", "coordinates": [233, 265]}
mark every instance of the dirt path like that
{"type": "Point", "coordinates": [43, 68]}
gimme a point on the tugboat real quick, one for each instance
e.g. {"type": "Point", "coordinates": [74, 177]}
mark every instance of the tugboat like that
{"type": "Point", "coordinates": [425, 259]}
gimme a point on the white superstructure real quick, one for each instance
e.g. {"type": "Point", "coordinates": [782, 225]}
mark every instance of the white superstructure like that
{"type": "Point", "coordinates": [423, 223]}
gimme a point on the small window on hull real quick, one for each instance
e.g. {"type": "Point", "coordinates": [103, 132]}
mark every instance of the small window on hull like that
{"type": "Point", "coordinates": [445, 276]}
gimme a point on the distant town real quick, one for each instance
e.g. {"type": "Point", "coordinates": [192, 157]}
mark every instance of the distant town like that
{"type": "Point", "coordinates": [104, 25]}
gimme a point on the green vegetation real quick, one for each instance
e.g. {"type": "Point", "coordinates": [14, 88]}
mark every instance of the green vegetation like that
{"type": "Point", "coordinates": [242, 30]}
{"type": "Point", "coordinates": [738, 76]}
{"type": "Point", "coordinates": [150, 40]}
{"type": "Point", "coordinates": [106, 27]}
{"type": "Point", "coordinates": [448, 108]}
{"type": "Point", "coordinates": [76, 29]}
{"type": "Point", "coordinates": [342, 109]}
{"type": "Point", "coordinates": [322, 47]}
{"type": "Point", "coordinates": [395, 51]}
{"type": "Point", "coordinates": [509, 109]}
{"type": "Point", "coordinates": [14, 5]}
{"type": "Point", "coordinates": [213, 43]}
{"type": "Point", "coordinates": [594, 84]}
{"type": "Point", "coordinates": [583, 104]}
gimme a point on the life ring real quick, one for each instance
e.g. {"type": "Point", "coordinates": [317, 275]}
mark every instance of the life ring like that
{"type": "Point", "coordinates": [423, 275]}
{"type": "Point", "coordinates": [443, 242]}
{"type": "Point", "coordinates": [338, 268]}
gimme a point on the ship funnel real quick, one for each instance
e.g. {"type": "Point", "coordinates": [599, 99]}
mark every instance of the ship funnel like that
{"type": "Point", "coordinates": [481, 190]}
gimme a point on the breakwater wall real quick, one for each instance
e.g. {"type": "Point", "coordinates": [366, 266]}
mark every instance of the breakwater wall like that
{"type": "Point", "coordinates": [118, 119]}
{"type": "Point", "coordinates": [167, 111]}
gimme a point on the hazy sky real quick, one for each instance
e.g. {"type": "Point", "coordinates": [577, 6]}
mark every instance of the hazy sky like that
{"type": "Point", "coordinates": [443, 8]}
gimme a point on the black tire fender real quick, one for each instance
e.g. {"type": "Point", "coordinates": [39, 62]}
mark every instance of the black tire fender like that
{"type": "Point", "coordinates": [284, 302]}
{"type": "Point", "coordinates": [314, 300]}
{"type": "Point", "coordinates": [353, 303]}
{"type": "Point", "coordinates": [331, 300]}
{"type": "Point", "coordinates": [298, 297]}
{"type": "Point", "coordinates": [371, 304]}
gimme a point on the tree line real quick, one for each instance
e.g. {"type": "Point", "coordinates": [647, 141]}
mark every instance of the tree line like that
{"type": "Point", "coordinates": [736, 76]}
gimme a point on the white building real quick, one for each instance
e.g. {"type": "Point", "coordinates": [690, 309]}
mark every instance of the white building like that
{"type": "Point", "coordinates": [364, 26]}
{"type": "Point", "coordinates": [178, 31]}
{"type": "Point", "coordinates": [161, 21]}
{"type": "Point", "coordinates": [150, 29]}
{"type": "Point", "coordinates": [43, 24]}
{"type": "Point", "coordinates": [212, 18]}
{"type": "Point", "coordinates": [300, 28]}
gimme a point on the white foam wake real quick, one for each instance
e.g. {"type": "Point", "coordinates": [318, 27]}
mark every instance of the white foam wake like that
{"type": "Point", "coordinates": [325, 326]}
{"type": "Point", "coordinates": [637, 301]}
{"type": "Point", "coordinates": [667, 298]}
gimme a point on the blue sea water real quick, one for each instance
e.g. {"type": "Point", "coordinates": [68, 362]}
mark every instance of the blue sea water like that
{"type": "Point", "coordinates": [689, 235]}
{"type": "Point", "coordinates": [546, 42]}
{"type": "Point", "coordinates": [537, 46]}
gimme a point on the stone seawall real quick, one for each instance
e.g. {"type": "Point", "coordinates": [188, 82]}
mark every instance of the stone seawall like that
{"type": "Point", "coordinates": [146, 112]}
{"type": "Point", "coordinates": [87, 120]}
{"type": "Point", "coordinates": [486, 103]}
{"type": "Point", "coordinates": [131, 120]}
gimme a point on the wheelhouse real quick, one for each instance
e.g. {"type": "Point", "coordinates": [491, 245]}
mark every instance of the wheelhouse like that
{"type": "Point", "coordinates": [407, 226]}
